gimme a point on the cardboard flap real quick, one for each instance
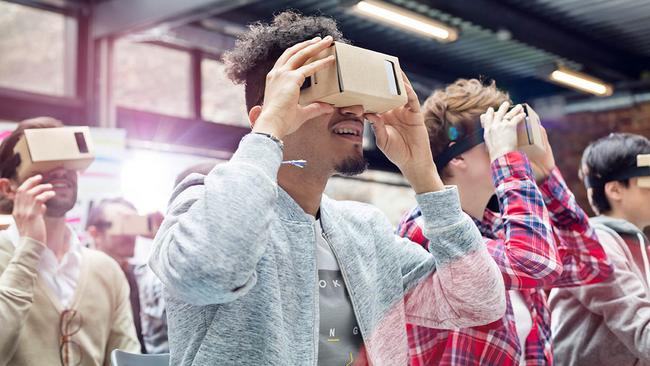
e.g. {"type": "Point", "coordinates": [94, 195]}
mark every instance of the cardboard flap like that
{"type": "Point", "coordinates": [529, 134]}
{"type": "Point", "coordinates": [132, 225]}
{"type": "Point", "coordinates": [369, 72]}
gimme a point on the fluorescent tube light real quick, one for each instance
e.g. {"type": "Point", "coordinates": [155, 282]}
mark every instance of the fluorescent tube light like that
{"type": "Point", "coordinates": [406, 19]}
{"type": "Point", "coordinates": [581, 82]}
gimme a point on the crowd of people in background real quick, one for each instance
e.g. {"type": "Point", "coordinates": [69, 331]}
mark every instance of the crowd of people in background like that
{"type": "Point", "coordinates": [253, 265]}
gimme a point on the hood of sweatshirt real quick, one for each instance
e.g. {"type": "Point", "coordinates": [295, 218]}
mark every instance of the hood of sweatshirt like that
{"type": "Point", "coordinates": [618, 225]}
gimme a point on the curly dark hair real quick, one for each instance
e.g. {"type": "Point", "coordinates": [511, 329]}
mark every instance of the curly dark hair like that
{"type": "Point", "coordinates": [256, 51]}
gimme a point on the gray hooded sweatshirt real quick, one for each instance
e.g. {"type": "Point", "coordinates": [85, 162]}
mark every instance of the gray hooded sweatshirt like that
{"type": "Point", "coordinates": [237, 256]}
{"type": "Point", "coordinates": [607, 323]}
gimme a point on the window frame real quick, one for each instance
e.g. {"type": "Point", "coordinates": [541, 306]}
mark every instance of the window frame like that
{"type": "Point", "coordinates": [18, 104]}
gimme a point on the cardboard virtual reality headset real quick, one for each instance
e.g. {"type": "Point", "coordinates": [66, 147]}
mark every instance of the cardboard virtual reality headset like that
{"type": "Point", "coordinates": [43, 149]}
{"type": "Point", "coordinates": [358, 77]}
{"type": "Point", "coordinates": [530, 139]}
{"type": "Point", "coordinates": [529, 134]}
{"type": "Point", "coordinates": [640, 171]}
{"type": "Point", "coordinates": [132, 225]}
{"type": "Point", "coordinates": [643, 161]}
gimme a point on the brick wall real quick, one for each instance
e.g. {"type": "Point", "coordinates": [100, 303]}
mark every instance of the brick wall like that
{"type": "Point", "coordinates": [571, 134]}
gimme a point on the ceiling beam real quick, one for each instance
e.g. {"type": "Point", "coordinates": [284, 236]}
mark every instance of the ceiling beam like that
{"type": "Point", "coordinates": [189, 37]}
{"type": "Point", "coordinates": [596, 57]}
{"type": "Point", "coordinates": [119, 17]}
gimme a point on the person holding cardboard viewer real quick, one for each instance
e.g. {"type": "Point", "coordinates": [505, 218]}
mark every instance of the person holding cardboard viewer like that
{"type": "Point", "coordinates": [610, 318]}
{"type": "Point", "coordinates": [114, 225]}
{"type": "Point", "coordinates": [60, 303]}
{"type": "Point", "coordinates": [537, 234]}
{"type": "Point", "coordinates": [261, 268]}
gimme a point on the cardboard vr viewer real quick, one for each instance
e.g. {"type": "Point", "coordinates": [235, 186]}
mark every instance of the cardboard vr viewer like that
{"type": "Point", "coordinates": [358, 77]}
{"type": "Point", "coordinates": [132, 225]}
{"type": "Point", "coordinates": [643, 160]}
{"type": "Point", "coordinates": [43, 149]}
{"type": "Point", "coordinates": [529, 134]}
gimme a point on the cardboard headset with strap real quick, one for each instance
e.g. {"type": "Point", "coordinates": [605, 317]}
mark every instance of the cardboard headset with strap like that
{"type": "Point", "coordinates": [529, 139]}
{"type": "Point", "coordinates": [641, 171]}
{"type": "Point", "coordinates": [132, 225]}
{"type": "Point", "coordinates": [358, 77]}
{"type": "Point", "coordinates": [42, 149]}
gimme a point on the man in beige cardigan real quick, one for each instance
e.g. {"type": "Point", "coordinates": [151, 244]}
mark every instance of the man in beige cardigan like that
{"type": "Point", "coordinates": [60, 303]}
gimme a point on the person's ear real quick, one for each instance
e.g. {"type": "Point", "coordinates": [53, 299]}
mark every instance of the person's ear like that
{"type": "Point", "coordinates": [254, 114]}
{"type": "Point", "coordinates": [7, 188]}
{"type": "Point", "coordinates": [458, 163]}
{"type": "Point", "coordinates": [614, 191]}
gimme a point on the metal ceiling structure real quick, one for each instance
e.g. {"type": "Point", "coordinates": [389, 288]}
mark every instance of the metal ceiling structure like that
{"type": "Point", "coordinates": [623, 24]}
{"type": "Point", "coordinates": [510, 41]}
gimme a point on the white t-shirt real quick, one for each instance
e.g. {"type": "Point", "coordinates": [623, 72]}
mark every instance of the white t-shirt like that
{"type": "Point", "coordinates": [340, 340]}
{"type": "Point", "coordinates": [523, 321]}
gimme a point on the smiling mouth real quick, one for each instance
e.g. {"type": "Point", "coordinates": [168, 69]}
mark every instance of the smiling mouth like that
{"type": "Point", "coordinates": [60, 185]}
{"type": "Point", "coordinates": [347, 132]}
{"type": "Point", "coordinates": [350, 129]}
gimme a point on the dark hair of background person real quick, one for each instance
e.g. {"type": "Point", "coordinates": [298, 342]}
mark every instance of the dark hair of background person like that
{"type": "Point", "coordinates": [96, 215]}
{"type": "Point", "coordinates": [608, 155]}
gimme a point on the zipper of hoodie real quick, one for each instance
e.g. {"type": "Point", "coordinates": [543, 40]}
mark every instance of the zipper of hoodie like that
{"type": "Point", "coordinates": [644, 254]}
{"type": "Point", "coordinates": [316, 327]}
{"type": "Point", "coordinates": [347, 284]}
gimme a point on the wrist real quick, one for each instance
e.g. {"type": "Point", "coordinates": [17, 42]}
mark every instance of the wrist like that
{"type": "Point", "coordinates": [37, 237]}
{"type": "Point", "coordinates": [495, 154]}
{"type": "Point", "coordinates": [424, 179]}
{"type": "Point", "coordinates": [542, 174]}
{"type": "Point", "coordinates": [269, 124]}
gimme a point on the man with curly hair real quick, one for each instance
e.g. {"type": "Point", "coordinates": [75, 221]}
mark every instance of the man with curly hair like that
{"type": "Point", "coordinates": [262, 269]}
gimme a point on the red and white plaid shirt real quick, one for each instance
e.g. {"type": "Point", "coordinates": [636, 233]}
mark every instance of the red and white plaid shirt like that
{"type": "Point", "coordinates": [532, 256]}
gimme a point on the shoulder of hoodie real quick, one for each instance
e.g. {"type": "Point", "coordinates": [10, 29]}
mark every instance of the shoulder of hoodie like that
{"type": "Point", "coordinates": [610, 240]}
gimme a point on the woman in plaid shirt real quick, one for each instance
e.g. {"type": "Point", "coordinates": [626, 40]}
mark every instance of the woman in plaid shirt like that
{"type": "Point", "coordinates": [539, 237]}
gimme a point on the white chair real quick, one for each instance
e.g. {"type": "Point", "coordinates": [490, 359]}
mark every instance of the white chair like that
{"type": "Point", "coordinates": [121, 358]}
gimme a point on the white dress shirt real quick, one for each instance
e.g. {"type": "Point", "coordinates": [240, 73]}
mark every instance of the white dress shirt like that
{"type": "Point", "coordinates": [60, 277]}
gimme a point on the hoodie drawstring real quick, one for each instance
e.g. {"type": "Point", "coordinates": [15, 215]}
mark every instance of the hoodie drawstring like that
{"type": "Point", "coordinates": [644, 253]}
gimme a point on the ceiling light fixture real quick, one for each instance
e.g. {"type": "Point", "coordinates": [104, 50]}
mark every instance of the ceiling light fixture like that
{"type": "Point", "coordinates": [581, 81]}
{"type": "Point", "coordinates": [406, 19]}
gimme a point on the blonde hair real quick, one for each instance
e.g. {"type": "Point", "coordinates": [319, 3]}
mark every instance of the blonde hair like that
{"type": "Point", "coordinates": [459, 105]}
